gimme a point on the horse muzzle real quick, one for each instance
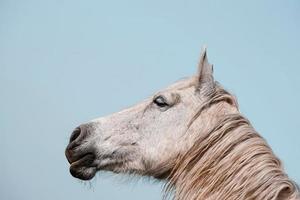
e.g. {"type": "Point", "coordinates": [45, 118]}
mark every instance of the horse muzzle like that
{"type": "Point", "coordinates": [80, 156]}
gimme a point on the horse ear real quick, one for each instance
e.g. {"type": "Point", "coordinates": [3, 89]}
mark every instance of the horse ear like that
{"type": "Point", "coordinates": [205, 70]}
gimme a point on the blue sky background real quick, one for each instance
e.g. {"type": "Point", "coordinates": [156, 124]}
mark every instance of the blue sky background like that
{"type": "Point", "coordinates": [64, 62]}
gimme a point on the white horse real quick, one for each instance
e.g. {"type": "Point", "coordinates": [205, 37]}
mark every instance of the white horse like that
{"type": "Point", "coordinates": [190, 134]}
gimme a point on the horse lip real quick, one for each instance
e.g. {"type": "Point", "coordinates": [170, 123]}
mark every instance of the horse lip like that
{"type": "Point", "coordinates": [68, 156]}
{"type": "Point", "coordinates": [86, 159]}
{"type": "Point", "coordinates": [74, 156]}
{"type": "Point", "coordinates": [83, 168]}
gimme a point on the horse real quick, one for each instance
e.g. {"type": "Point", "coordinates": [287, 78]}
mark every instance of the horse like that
{"type": "Point", "coordinates": [191, 135]}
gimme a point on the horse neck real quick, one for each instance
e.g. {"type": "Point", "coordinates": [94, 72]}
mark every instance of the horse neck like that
{"type": "Point", "coordinates": [230, 161]}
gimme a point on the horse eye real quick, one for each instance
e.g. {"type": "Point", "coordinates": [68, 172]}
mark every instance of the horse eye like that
{"type": "Point", "coordinates": [160, 101]}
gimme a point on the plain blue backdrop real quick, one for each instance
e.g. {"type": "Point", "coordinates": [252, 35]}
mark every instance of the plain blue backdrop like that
{"type": "Point", "coordinates": [64, 62]}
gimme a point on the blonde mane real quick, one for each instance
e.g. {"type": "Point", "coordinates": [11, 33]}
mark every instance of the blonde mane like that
{"type": "Point", "coordinates": [231, 161]}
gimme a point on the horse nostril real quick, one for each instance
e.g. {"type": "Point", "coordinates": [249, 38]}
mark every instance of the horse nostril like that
{"type": "Point", "coordinates": [75, 134]}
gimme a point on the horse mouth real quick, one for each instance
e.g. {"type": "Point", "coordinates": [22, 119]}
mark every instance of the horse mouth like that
{"type": "Point", "coordinates": [83, 168]}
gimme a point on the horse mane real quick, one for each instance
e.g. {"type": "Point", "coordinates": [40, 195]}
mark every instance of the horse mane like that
{"type": "Point", "coordinates": [230, 161]}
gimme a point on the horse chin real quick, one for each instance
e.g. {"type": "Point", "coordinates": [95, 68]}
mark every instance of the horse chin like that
{"type": "Point", "coordinates": [83, 173]}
